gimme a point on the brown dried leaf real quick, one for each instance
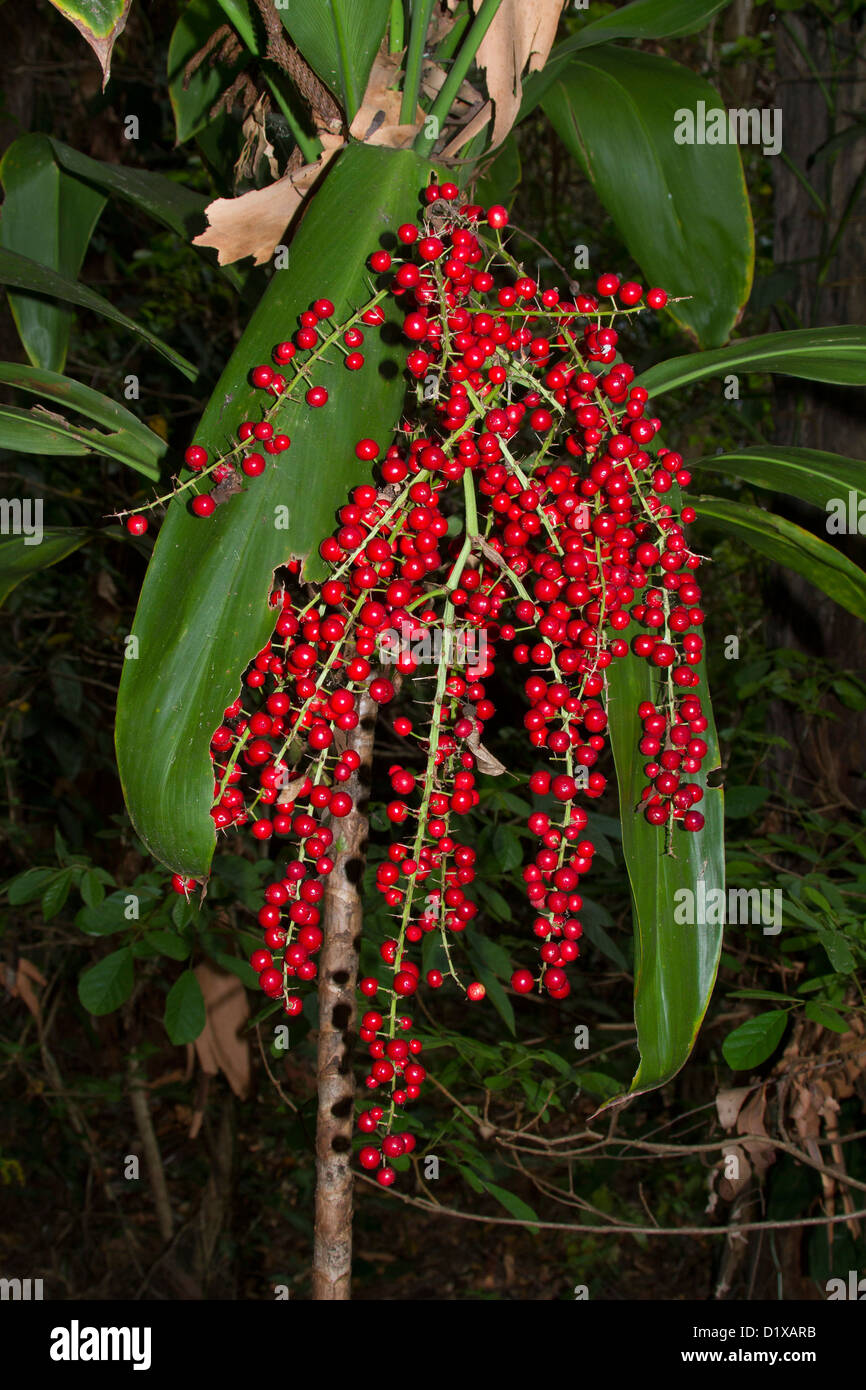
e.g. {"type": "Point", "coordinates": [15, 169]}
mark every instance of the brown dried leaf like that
{"type": "Point", "coordinates": [729, 1187]}
{"type": "Point", "coordinates": [20, 985]}
{"type": "Point", "coordinates": [751, 1121]}
{"type": "Point", "coordinates": [468, 131]}
{"type": "Point", "coordinates": [485, 759]}
{"type": "Point", "coordinates": [521, 35]}
{"type": "Point", "coordinates": [256, 144]}
{"type": "Point", "coordinates": [220, 1045]}
{"type": "Point", "coordinates": [253, 224]}
{"type": "Point", "coordinates": [291, 792]}
{"type": "Point", "coordinates": [729, 1103]}
{"type": "Point", "coordinates": [377, 120]}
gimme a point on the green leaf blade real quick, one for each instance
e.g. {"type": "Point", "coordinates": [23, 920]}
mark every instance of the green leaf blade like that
{"type": "Point", "coordinates": [49, 217]}
{"type": "Point", "coordinates": [185, 1012]}
{"type": "Point", "coordinates": [683, 210]}
{"type": "Point", "coordinates": [675, 963]}
{"type": "Point", "coordinates": [204, 611]}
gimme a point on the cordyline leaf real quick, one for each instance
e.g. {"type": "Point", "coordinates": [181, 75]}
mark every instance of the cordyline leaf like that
{"type": "Point", "coordinates": [675, 965]}
{"type": "Point", "coordinates": [254, 223]}
{"type": "Point", "coordinates": [22, 273]}
{"type": "Point", "coordinates": [790, 545]}
{"type": "Point", "coordinates": [339, 39]}
{"type": "Point", "coordinates": [683, 210]}
{"type": "Point", "coordinates": [812, 475]}
{"type": "Point", "coordinates": [836, 355]}
{"type": "Point", "coordinates": [101, 22]}
{"type": "Point", "coordinates": [129, 440]}
{"type": "Point", "coordinates": [643, 19]}
{"type": "Point", "coordinates": [18, 560]}
{"type": "Point", "coordinates": [204, 611]}
{"type": "Point", "coordinates": [521, 35]}
{"type": "Point", "coordinates": [48, 216]}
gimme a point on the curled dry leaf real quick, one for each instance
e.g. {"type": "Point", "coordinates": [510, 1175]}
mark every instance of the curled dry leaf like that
{"type": "Point", "coordinates": [377, 120]}
{"type": "Point", "coordinates": [20, 984]}
{"type": "Point", "coordinates": [220, 1046]}
{"type": "Point", "coordinates": [729, 1103]}
{"type": "Point", "coordinates": [751, 1121]}
{"type": "Point", "coordinates": [729, 1187]}
{"type": "Point", "coordinates": [520, 36]}
{"type": "Point", "coordinates": [253, 224]}
{"type": "Point", "coordinates": [256, 144]}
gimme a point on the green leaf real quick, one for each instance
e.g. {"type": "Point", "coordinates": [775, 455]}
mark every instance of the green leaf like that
{"type": "Point", "coordinates": [105, 986]}
{"type": "Point", "coordinates": [755, 1040]}
{"type": "Point", "coordinates": [185, 1012]}
{"type": "Point", "coordinates": [26, 887]}
{"type": "Point", "coordinates": [203, 612]}
{"type": "Point", "coordinates": [507, 848]}
{"type": "Point", "coordinates": [339, 39]}
{"type": "Point", "coordinates": [515, 1206]}
{"type": "Point", "coordinates": [788, 544]}
{"type": "Point", "coordinates": [498, 905]}
{"type": "Point", "coordinates": [100, 21]}
{"type": "Point", "coordinates": [49, 217]}
{"type": "Point", "coordinates": [490, 953]}
{"type": "Point", "coordinates": [835, 355]}
{"type": "Point", "coordinates": [168, 943]}
{"type": "Point", "coordinates": [595, 932]}
{"type": "Point", "coordinates": [497, 996]}
{"type": "Point", "coordinates": [56, 893]}
{"type": "Point", "coordinates": [92, 888]}
{"type": "Point", "coordinates": [675, 964]}
{"type": "Point", "coordinates": [647, 19]}
{"type": "Point", "coordinates": [597, 1083]}
{"type": "Point", "coordinates": [827, 1017]}
{"type": "Point", "coordinates": [744, 801]}
{"type": "Point", "coordinates": [37, 432]}
{"type": "Point", "coordinates": [644, 19]}
{"type": "Point", "coordinates": [683, 210]}
{"type": "Point", "coordinates": [129, 440]}
{"type": "Point", "coordinates": [104, 918]}
{"type": "Point", "coordinates": [810, 474]}
{"type": "Point", "coordinates": [192, 98]}
{"type": "Point", "coordinates": [22, 273]}
{"type": "Point", "coordinates": [838, 951]}
{"type": "Point", "coordinates": [18, 560]}
{"type": "Point", "coordinates": [166, 201]}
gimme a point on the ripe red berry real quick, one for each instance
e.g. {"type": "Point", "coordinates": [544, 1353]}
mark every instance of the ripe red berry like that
{"type": "Point", "coordinates": [136, 525]}
{"type": "Point", "coordinates": [203, 505]}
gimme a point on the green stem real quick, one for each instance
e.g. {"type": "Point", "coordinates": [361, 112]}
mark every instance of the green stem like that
{"type": "Point", "coordinates": [460, 67]}
{"type": "Point", "coordinates": [396, 27]}
{"type": "Point", "coordinates": [448, 47]}
{"type": "Point", "coordinates": [421, 12]}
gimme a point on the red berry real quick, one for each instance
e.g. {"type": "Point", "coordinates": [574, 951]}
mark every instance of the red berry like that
{"type": "Point", "coordinates": [136, 525]}
{"type": "Point", "coordinates": [203, 505]}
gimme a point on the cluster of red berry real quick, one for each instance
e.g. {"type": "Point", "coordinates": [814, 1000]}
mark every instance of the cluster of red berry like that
{"type": "Point", "coordinates": [520, 510]}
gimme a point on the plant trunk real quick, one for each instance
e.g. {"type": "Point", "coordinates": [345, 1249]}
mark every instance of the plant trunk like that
{"type": "Point", "coordinates": [342, 916]}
